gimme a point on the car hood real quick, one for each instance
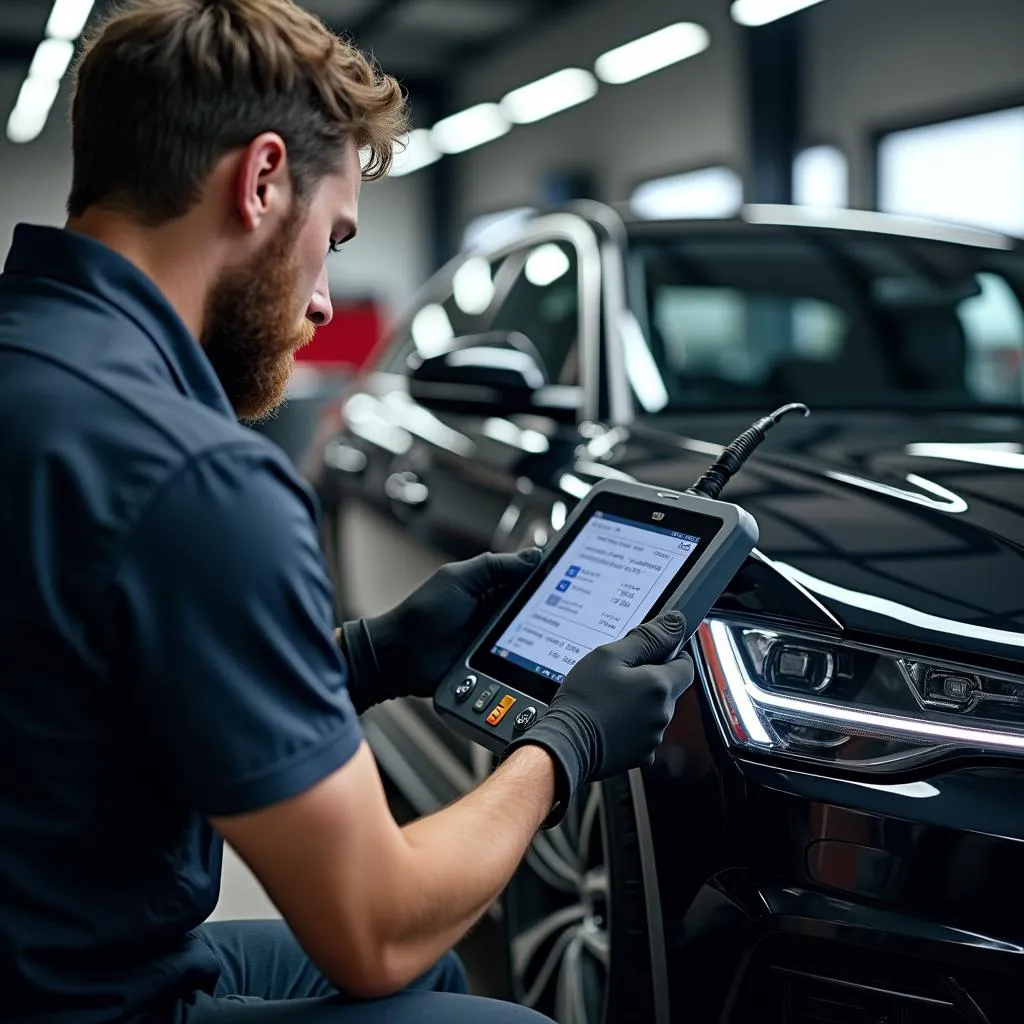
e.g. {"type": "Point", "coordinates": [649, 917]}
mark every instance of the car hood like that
{"type": "Point", "coordinates": [901, 526]}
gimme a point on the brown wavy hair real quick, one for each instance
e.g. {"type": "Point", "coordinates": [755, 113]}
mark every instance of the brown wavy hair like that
{"type": "Point", "coordinates": [165, 88]}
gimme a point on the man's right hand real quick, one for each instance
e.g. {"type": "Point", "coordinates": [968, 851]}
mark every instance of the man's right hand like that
{"type": "Point", "coordinates": [613, 708]}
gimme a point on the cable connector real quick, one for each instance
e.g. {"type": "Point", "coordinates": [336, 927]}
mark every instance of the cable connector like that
{"type": "Point", "coordinates": [734, 455]}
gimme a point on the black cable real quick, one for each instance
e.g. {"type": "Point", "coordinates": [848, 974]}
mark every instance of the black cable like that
{"type": "Point", "coordinates": [736, 454]}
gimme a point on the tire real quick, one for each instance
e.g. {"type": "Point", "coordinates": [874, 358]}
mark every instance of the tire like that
{"type": "Point", "coordinates": [575, 916]}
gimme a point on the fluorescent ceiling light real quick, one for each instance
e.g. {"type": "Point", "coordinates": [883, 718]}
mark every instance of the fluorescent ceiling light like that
{"type": "Point", "coordinates": [68, 18]}
{"type": "Point", "coordinates": [546, 265]}
{"type": "Point", "coordinates": [549, 95]}
{"type": "Point", "coordinates": [472, 127]}
{"type": "Point", "coordinates": [52, 59]}
{"type": "Point", "coordinates": [651, 53]}
{"type": "Point", "coordinates": [419, 151]}
{"type": "Point", "coordinates": [760, 12]}
{"type": "Point", "coordinates": [28, 118]}
{"type": "Point", "coordinates": [472, 286]}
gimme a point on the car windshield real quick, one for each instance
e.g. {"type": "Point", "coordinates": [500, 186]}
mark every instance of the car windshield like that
{"type": "Point", "coordinates": [748, 319]}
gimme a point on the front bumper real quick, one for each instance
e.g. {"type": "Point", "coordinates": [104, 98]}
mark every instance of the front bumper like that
{"type": "Point", "coordinates": [797, 898]}
{"type": "Point", "coordinates": [746, 952]}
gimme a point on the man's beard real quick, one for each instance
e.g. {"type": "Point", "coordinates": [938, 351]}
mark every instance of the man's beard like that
{"type": "Point", "coordinates": [250, 334]}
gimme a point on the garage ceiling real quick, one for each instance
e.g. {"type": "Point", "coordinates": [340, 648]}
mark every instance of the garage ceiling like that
{"type": "Point", "coordinates": [421, 41]}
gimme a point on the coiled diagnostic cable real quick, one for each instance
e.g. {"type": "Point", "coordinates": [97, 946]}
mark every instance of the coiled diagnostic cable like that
{"type": "Point", "coordinates": [734, 455]}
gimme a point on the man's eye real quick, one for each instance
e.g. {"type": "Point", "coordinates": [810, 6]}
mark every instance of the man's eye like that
{"type": "Point", "coordinates": [335, 246]}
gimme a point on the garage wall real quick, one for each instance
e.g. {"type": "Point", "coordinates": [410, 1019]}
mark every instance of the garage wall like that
{"type": "Point", "coordinates": [34, 179]}
{"type": "Point", "coordinates": [678, 118]}
{"type": "Point", "coordinates": [872, 63]}
{"type": "Point", "coordinates": [387, 261]}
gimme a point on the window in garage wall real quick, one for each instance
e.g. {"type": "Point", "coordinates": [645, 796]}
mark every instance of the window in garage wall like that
{"type": "Point", "coordinates": [970, 170]}
{"type": "Point", "coordinates": [708, 192]}
{"type": "Point", "coordinates": [821, 177]}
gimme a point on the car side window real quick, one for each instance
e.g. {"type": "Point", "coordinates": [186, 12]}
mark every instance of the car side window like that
{"type": "Point", "coordinates": [993, 326]}
{"type": "Point", "coordinates": [543, 303]}
{"type": "Point", "coordinates": [460, 310]}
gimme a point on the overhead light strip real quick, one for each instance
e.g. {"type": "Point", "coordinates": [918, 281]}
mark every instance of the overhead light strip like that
{"type": "Point", "coordinates": [650, 53]}
{"type": "Point", "coordinates": [418, 152]}
{"type": "Point", "coordinates": [68, 18]}
{"type": "Point", "coordinates": [470, 128]}
{"type": "Point", "coordinates": [49, 65]}
{"type": "Point", "coordinates": [550, 95]}
{"type": "Point", "coordinates": [458, 133]}
{"type": "Point", "coordinates": [754, 13]}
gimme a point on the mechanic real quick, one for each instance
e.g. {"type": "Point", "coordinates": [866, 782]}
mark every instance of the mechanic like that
{"type": "Point", "coordinates": [172, 676]}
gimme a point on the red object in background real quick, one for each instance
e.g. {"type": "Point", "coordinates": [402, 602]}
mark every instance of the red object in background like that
{"type": "Point", "coordinates": [349, 338]}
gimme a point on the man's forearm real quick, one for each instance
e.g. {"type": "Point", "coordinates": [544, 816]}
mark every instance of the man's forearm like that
{"type": "Point", "coordinates": [463, 856]}
{"type": "Point", "coordinates": [455, 863]}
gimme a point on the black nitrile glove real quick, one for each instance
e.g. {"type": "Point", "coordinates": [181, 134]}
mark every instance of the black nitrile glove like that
{"type": "Point", "coordinates": [407, 651]}
{"type": "Point", "coordinates": [612, 710]}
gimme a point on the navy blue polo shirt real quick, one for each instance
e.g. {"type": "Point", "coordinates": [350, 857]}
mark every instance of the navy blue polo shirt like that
{"type": "Point", "coordinates": [166, 637]}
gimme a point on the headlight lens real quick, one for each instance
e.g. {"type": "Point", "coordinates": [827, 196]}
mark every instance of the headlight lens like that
{"type": "Point", "coordinates": [850, 705]}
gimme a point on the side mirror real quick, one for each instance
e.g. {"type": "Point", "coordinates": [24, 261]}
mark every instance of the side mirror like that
{"type": "Point", "coordinates": [496, 374]}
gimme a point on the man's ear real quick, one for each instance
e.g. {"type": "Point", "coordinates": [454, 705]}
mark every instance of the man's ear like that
{"type": "Point", "coordinates": [263, 182]}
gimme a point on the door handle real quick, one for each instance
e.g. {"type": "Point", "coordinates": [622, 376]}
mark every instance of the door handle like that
{"type": "Point", "coordinates": [407, 489]}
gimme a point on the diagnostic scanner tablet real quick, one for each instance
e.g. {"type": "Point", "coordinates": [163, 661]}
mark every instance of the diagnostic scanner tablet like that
{"type": "Point", "coordinates": [627, 552]}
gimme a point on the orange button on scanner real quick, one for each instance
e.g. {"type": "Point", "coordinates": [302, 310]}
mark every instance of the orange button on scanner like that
{"type": "Point", "coordinates": [500, 709]}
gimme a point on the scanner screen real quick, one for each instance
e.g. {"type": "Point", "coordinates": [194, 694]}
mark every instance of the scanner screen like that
{"type": "Point", "coordinates": [605, 583]}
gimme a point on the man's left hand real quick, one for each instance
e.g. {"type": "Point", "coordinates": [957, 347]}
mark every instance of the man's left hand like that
{"type": "Point", "coordinates": [407, 651]}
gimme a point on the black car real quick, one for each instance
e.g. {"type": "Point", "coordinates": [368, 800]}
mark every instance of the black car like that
{"type": "Point", "coordinates": [833, 830]}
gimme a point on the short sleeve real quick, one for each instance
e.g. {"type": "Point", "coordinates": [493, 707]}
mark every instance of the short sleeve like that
{"type": "Point", "coordinates": [223, 635]}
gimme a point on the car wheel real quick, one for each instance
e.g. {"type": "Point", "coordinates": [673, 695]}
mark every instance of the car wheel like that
{"type": "Point", "coordinates": [576, 915]}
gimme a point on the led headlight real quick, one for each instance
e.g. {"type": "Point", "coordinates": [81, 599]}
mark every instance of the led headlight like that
{"type": "Point", "coordinates": [851, 705]}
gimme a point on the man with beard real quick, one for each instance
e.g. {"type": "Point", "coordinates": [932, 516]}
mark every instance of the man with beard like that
{"type": "Point", "coordinates": [171, 674]}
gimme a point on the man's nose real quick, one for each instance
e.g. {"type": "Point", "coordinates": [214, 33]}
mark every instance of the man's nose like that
{"type": "Point", "coordinates": [320, 311]}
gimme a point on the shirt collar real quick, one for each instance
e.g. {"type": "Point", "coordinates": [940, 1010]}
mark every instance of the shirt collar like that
{"type": "Point", "coordinates": [93, 267]}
